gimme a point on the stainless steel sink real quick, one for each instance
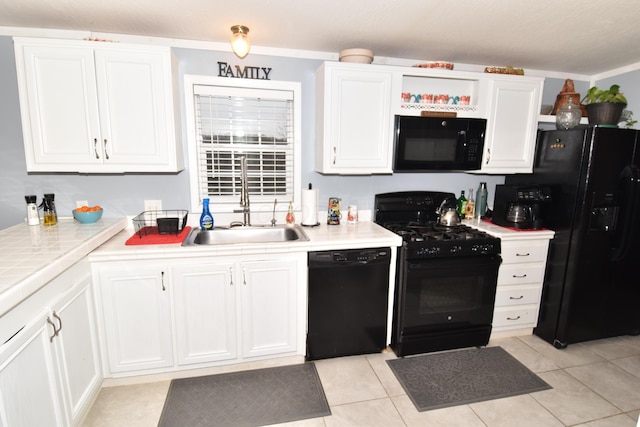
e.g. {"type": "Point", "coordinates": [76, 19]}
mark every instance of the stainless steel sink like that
{"type": "Point", "coordinates": [255, 234]}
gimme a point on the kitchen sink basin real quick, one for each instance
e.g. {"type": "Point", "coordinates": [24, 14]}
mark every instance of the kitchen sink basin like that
{"type": "Point", "coordinates": [254, 234]}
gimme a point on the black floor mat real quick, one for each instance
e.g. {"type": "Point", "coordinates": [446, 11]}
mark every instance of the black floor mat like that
{"type": "Point", "coordinates": [247, 398]}
{"type": "Point", "coordinates": [438, 380]}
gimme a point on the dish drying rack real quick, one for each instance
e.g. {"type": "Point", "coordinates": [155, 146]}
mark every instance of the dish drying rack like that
{"type": "Point", "coordinates": [160, 222]}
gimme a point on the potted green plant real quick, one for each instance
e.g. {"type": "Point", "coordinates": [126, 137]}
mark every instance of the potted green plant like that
{"type": "Point", "coordinates": [604, 106]}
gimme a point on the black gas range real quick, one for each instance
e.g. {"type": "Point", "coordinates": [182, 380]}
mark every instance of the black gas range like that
{"type": "Point", "coordinates": [446, 275]}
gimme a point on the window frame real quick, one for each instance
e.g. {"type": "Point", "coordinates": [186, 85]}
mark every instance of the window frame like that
{"type": "Point", "coordinates": [190, 81]}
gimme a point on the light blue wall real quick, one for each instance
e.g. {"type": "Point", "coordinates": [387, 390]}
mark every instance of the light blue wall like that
{"type": "Point", "coordinates": [630, 87]}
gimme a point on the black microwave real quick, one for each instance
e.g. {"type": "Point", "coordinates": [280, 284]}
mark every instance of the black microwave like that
{"type": "Point", "coordinates": [438, 144]}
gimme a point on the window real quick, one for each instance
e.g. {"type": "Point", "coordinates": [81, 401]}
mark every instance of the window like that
{"type": "Point", "coordinates": [231, 118]}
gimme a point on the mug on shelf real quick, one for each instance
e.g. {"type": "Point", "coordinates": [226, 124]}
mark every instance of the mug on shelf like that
{"type": "Point", "coordinates": [427, 98]}
{"type": "Point", "coordinates": [441, 99]}
{"type": "Point", "coordinates": [416, 97]}
{"type": "Point", "coordinates": [465, 100]}
{"type": "Point", "coordinates": [454, 100]}
{"type": "Point", "coordinates": [406, 97]}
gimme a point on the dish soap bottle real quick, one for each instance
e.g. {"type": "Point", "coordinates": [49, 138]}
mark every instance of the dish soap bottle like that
{"type": "Point", "coordinates": [206, 219]}
{"type": "Point", "coordinates": [290, 217]}
{"type": "Point", "coordinates": [462, 204]}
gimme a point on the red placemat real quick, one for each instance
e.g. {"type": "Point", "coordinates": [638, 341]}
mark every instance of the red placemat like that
{"type": "Point", "coordinates": [513, 228]}
{"type": "Point", "coordinates": [151, 237]}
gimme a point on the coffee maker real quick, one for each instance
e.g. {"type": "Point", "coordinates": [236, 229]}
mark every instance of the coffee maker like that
{"type": "Point", "coordinates": [520, 206]}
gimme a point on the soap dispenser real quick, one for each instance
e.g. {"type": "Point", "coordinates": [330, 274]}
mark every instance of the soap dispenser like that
{"type": "Point", "coordinates": [290, 217]}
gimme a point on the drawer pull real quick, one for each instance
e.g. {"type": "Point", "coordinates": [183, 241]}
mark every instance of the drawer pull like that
{"type": "Point", "coordinates": [513, 318]}
{"type": "Point", "coordinates": [527, 254]}
{"type": "Point", "coordinates": [522, 276]}
{"type": "Point", "coordinates": [520, 297]}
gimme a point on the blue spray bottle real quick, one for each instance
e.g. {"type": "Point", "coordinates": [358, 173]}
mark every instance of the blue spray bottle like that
{"type": "Point", "coordinates": [206, 219]}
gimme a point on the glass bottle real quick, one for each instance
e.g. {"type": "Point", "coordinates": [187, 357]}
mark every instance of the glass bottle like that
{"type": "Point", "coordinates": [50, 217]}
{"type": "Point", "coordinates": [290, 217]}
{"type": "Point", "coordinates": [470, 206]}
{"type": "Point", "coordinates": [33, 218]}
{"type": "Point", "coordinates": [206, 219]}
{"type": "Point", "coordinates": [568, 116]}
{"type": "Point", "coordinates": [481, 200]}
{"type": "Point", "coordinates": [462, 202]}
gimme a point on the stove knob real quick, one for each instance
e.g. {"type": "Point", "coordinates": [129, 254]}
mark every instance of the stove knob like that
{"type": "Point", "coordinates": [455, 249]}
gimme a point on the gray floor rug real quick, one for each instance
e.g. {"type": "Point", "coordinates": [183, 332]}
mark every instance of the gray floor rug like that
{"type": "Point", "coordinates": [439, 380]}
{"type": "Point", "coordinates": [248, 398]}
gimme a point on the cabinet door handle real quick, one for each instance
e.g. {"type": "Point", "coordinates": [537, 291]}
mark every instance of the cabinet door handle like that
{"type": "Point", "coordinates": [55, 332]}
{"type": "Point", "coordinates": [527, 254]}
{"type": "Point", "coordinates": [520, 297]}
{"type": "Point", "coordinates": [513, 318]}
{"type": "Point", "coordinates": [95, 147]}
{"type": "Point", "coordinates": [244, 277]}
{"type": "Point", "coordinates": [162, 280]}
{"type": "Point", "coordinates": [106, 155]}
{"type": "Point", "coordinates": [488, 156]}
{"type": "Point", "coordinates": [230, 276]}
{"type": "Point", "coordinates": [519, 276]}
{"type": "Point", "coordinates": [59, 322]}
{"type": "Point", "coordinates": [334, 155]}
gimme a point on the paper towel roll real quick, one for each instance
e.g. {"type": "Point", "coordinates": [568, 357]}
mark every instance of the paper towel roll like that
{"type": "Point", "coordinates": [309, 207]}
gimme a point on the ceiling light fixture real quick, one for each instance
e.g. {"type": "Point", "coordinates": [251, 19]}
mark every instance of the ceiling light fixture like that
{"type": "Point", "coordinates": [240, 42]}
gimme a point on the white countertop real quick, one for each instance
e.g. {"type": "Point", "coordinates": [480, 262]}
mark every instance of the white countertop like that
{"type": "Point", "coordinates": [505, 233]}
{"type": "Point", "coordinates": [34, 255]}
{"type": "Point", "coordinates": [364, 234]}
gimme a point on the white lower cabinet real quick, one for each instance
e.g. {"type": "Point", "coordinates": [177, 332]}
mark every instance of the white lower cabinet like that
{"type": "Point", "coordinates": [136, 314]}
{"type": "Point", "coordinates": [50, 370]}
{"type": "Point", "coordinates": [269, 305]}
{"type": "Point", "coordinates": [520, 280]}
{"type": "Point", "coordinates": [31, 392]}
{"type": "Point", "coordinates": [203, 312]}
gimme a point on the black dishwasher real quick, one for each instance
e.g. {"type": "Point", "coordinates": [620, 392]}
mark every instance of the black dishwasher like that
{"type": "Point", "coordinates": [348, 302]}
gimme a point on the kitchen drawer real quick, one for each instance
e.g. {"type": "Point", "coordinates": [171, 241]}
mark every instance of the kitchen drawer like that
{"type": "Point", "coordinates": [524, 251]}
{"type": "Point", "coordinates": [518, 316]}
{"type": "Point", "coordinates": [517, 295]}
{"type": "Point", "coordinates": [520, 274]}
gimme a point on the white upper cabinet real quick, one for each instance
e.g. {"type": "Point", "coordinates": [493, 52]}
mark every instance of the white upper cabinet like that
{"type": "Point", "coordinates": [97, 107]}
{"type": "Point", "coordinates": [354, 119]}
{"type": "Point", "coordinates": [510, 140]}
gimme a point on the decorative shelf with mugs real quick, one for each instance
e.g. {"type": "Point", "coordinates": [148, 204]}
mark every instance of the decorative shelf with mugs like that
{"type": "Point", "coordinates": [450, 93]}
{"type": "Point", "coordinates": [436, 102]}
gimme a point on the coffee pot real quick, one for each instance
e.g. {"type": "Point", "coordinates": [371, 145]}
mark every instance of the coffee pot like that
{"type": "Point", "coordinates": [519, 213]}
{"type": "Point", "coordinates": [520, 206]}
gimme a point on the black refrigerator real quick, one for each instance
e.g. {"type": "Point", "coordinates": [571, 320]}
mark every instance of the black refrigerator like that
{"type": "Point", "coordinates": [592, 282]}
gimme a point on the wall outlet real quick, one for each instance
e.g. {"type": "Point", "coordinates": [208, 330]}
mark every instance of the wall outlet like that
{"type": "Point", "coordinates": [81, 203]}
{"type": "Point", "coordinates": [153, 205]}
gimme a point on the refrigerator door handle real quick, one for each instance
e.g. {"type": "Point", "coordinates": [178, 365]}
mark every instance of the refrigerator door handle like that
{"type": "Point", "coordinates": [630, 179]}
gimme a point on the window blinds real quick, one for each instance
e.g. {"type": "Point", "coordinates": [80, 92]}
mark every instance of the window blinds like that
{"type": "Point", "coordinates": [257, 123]}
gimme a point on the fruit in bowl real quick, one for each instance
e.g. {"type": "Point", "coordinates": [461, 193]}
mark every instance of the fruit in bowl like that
{"type": "Point", "coordinates": [88, 215]}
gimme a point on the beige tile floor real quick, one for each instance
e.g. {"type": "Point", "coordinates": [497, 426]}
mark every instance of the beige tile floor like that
{"type": "Point", "coordinates": [595, 384]}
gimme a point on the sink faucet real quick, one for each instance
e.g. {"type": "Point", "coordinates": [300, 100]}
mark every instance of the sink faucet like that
{"type": "Point", "coordinates": [244, 193]}
{"type": "Point", "coordinates": [273, 217]}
